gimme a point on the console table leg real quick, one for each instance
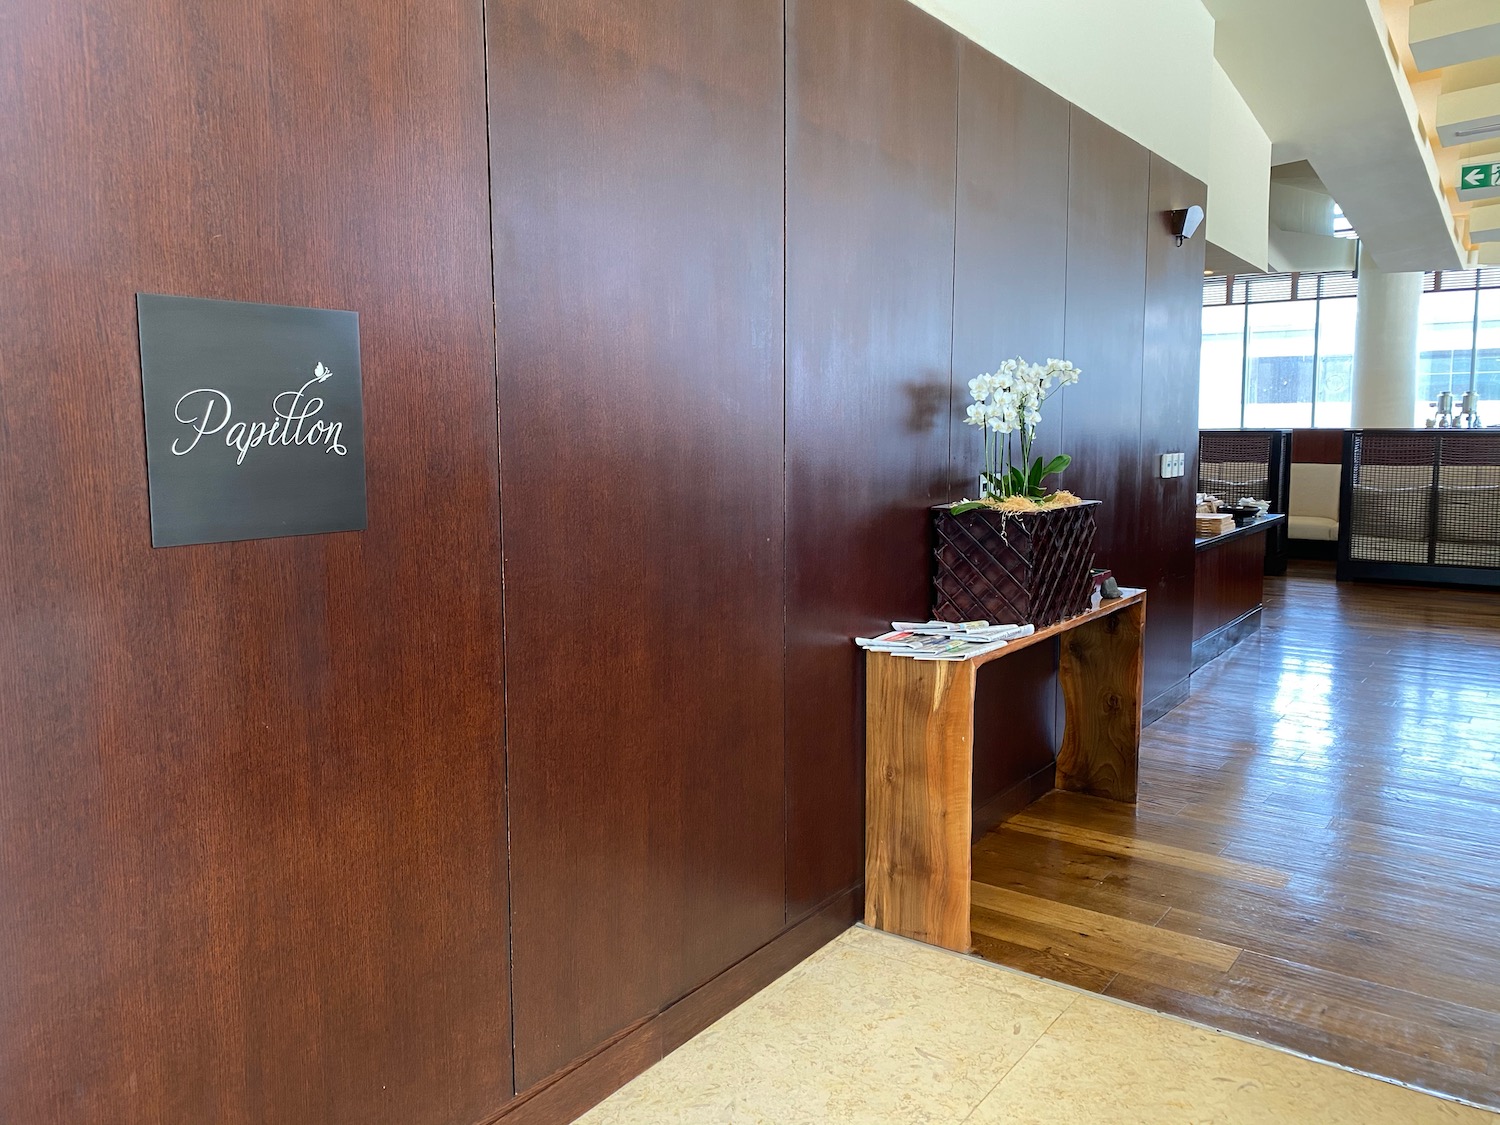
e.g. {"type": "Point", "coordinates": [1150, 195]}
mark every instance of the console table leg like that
{"type": "Point", "coordinates": [918, 787]}
{"type": "Point", "coordinates": [1101, 673]}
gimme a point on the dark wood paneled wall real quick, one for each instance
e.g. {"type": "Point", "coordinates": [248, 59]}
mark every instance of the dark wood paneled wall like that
{"type": "Point", "coordinates": [637, 156]}
{"type": "Point", "coordinates": [251, 869]}
{"type": "Point", "coordinates": [1010, 290]}
{"type": "Point", "coordinates": [1318, 447]}
{"type": "Point", "coordinates": [1108, 187]}
{"type": "Point", "coordinates": [1169, 423]}
{"type": "Point", "coordinates": [1230, 583]}
{"type": "Point", "coordinates": [870, 178]}
{"type": "Point", "coordinates": [253, 797]}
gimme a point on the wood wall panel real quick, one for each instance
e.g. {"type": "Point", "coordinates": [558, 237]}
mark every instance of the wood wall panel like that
{"type": "Point", "coordinates": [1169, 637]}
{"type": "Point", "coordinates": [576, 1090]}
{"type": "Point", "coordinates": [637, 156]}
{"type": "Point", "coordinates": [1230, 583]}
{"type": "Point", "coordinates": [250, 834]}
{"type": "Point", "coordinates": [1010, 284]}
{"type": "Point", "coordinates": [1318, 447]}
{"type": "Point", "coordinates": [1108, 184]}
{"type": "Point", "coordinates": [253, 797]}
{"type": "Point", "coordinates": [1169, 423]}
{"type": "Point", "coordinates": [1017, 724]}
{"type": "Point", "coordinates": [1010, 278]}
{"type": "Point", "coordinates": [871, 103]}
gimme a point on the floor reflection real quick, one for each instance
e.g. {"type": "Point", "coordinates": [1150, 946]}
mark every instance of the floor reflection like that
{"type": "Point", "coordinates": [1325, 805]}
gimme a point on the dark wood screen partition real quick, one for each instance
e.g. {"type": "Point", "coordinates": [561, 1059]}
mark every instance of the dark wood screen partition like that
{"type": "Point", "coordinates": [1234, 464]}
{"type": "Point", "coordinates": [1421, 506]}
{"type": "Point", "coordinates": [251, 860]}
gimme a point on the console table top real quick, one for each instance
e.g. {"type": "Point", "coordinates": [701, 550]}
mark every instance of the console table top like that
{"type": "Point", "coordinates": [1128, 597]}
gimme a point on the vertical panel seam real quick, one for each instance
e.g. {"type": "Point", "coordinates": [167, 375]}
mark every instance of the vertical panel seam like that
{"type": "Point", "coordinates": [786, 530]}
{"type": "Point", "coordinates": [1062, 400]}
{"type": "Point", "coordinates": [1140, 423]}
{"type": "Point", "coordinates": [1062, 417]}
{"type": "Point", "coordinates": [951, 470]}
{"type": "Point", "coordinates": [510, 928]}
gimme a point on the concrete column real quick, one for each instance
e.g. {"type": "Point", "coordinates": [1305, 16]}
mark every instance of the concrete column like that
{"type": "Point", "coordinates": [1385, 348]}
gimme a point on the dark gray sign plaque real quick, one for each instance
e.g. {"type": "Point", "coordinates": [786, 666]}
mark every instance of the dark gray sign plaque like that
{"type": "Point", "coordinates": [254, 422]}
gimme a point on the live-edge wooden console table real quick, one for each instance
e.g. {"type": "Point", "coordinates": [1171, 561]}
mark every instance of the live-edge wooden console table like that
{"type": "Point", "coordinates": [919, 738]}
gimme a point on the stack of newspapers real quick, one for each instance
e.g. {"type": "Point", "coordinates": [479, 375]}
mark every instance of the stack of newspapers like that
{"type": "Point", "coordinates": [944, 640]}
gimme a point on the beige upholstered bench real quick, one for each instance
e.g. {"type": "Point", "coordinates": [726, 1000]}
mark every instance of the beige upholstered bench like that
{"type": "Point", "coordinates": [1313, 507]}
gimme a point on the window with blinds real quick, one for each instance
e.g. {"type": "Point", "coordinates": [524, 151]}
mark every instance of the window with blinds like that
{"type": "Point", "coordinates": [1278, 349]}
{"type": "Point", "coordinates": [1249, 289]}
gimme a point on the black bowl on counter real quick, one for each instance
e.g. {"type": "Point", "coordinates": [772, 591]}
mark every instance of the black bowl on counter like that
{"type": "Point", "coordinates": [1242, 516]}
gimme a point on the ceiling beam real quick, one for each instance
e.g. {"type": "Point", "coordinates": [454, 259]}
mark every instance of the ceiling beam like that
{"type": "Point", "coordinates": [1465, 116]}
{"type": "Point", "coordinates": [1450, 32]}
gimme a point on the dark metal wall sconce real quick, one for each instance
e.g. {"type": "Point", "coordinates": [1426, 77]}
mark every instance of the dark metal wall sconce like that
{"type": "Point", "coordinates": [1186, 222]}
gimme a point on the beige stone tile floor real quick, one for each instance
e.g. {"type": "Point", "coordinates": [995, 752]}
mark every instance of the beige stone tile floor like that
{"type": "Point", "coordinates": [874, 1029]}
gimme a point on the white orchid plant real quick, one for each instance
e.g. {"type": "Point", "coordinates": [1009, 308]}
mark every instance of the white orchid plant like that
{"type": "Point", "coordinates": [1008, 405]}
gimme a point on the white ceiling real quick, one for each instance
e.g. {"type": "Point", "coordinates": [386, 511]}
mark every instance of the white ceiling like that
{"type": "Point", "coordinates": [1323, 79]}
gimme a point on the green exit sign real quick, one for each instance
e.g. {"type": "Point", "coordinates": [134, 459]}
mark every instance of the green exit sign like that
{"type": "Point", "coordinates": [1474, 176]}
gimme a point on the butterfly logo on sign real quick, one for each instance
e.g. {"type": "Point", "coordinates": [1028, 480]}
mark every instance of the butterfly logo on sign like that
{"type": "Point", "coordinates": [209, 412]}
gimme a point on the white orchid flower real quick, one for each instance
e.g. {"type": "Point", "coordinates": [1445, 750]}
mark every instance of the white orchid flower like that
{"type": "Point", "coordinates": [1010, 400]}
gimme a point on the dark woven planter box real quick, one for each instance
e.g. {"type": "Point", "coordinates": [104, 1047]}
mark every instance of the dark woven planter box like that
{"type": "Point", "coordinates": [1033, 568]}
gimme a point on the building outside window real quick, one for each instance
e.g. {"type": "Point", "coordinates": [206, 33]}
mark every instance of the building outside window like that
{"type": "Point", "coordinates": [1445, 345]}
{"type": "Point", "coordinates": [1487, 355]}
{"type": "Point", "coordinates": [1335, 379]}
{"type": "Point", "coordinates": [1278, 350]}
{"type": "Point", "coordinates": [1222, 370]}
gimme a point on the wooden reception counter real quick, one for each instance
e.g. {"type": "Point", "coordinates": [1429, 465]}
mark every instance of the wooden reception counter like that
{"type": "Point", "coordinates": [1228, 577]}
{"type": "Point", "coordinates": [919, 759]}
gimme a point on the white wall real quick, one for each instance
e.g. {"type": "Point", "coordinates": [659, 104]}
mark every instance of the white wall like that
{"type": "Point", "coordinates": [1239, 175]}
{"type": "Point", "coordinates": [1301, 209]}
{"type": "Point", "coordinates": [1144, 67]}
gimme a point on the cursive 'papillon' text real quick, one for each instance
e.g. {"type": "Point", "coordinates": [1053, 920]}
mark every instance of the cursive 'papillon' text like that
{"type": "Point", "coordinates": [209, 412]}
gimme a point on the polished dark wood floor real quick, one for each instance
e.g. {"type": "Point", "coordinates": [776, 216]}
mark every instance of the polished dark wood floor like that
{"type": "Point", "coordinates": [1315, 858]}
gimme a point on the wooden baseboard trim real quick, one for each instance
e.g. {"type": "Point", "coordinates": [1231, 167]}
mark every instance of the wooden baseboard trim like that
{"type": "Point", "coordinates": [567, 1095]}
{"type": "Point", "coordinates": [735, 985]}
{"type": "Point", "coordinates": [1223, 639]}
{"type": "Point", "coordinates": [570, 1094]}
{"type": "Point", "coordinates": [1172, 697]}
{"type": "Point", "coordinates": [1010, 801]}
